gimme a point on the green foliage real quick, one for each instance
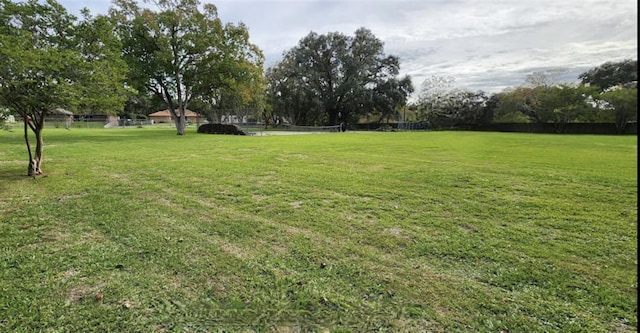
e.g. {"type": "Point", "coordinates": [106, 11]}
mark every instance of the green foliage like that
{"type": "Point", "coordinates": [546, 102]}
{"type": "Point", "coordinates": [143, 102]}
{"type": "Point", "coordinates": [38, 57]}
{"type": "Point", "coordinates": [611, 74]}
{"type": "Point", "coordinates": [558, 104]}
{"type": "Point", "coordinates": [443, 105]}
{"type": "Point", "coordinates": [621, 106]}
{"type": "Point", "coordinates": [333, 78]}
{"type": "Point", "coordinates": [389, 96]}
{"type": "Point", "coordinates": [562, 104]}
{"type": "Point", "coordinates": [362, 232]}
{"type": "Point", "coordinates": [50, 61]}
{"type": "Point", "coordinates": [183, 54]}
{"type": "Point", "coordinates": [103, 71]}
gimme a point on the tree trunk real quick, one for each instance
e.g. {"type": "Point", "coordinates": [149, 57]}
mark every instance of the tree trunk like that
{"type": "Point", "coordinates": [333, 116]}
{"type": "Point", "coordinates": [621, 123]}
{"type": "Point", "coordinates": [39, 151]}
{"type": "Point", "coordinates": [178, 119]}
{"type": "Point", "coordinates": [35, 160]}
{"type": "Point", "coordinates": [30, 169]}
{"type": "Point", "coordinates": [180, 125]}
{"type": "Point", "coordinates": [344, 120]}
{"type": "Point", "coordinates": [181, 121]}
{"type": "Point", "coordinates": [34, 168]}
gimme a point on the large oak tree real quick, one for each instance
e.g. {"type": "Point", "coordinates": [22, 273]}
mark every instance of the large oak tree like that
{"type": "Point", "coordinates": [333, 78]}
{"type": "Point", "coordinates": [182, 53]}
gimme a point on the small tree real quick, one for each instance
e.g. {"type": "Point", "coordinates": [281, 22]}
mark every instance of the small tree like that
{"type": "Point", "coordinates": [440, 101]}
{"type": "Point", "coordinates": [621, 106]}
{"type": "Point", "coordinates": [50, 61]}
{"type": "Point", "coordinates": [563, 104]}
{"type": "Point", "coordinates": [510, 105]}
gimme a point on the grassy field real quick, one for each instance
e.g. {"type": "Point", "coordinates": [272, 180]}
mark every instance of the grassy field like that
{"type": "Point", "coordinates": [140, 230]}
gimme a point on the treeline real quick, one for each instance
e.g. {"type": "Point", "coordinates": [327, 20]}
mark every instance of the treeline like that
{"type": "Point", "coordinates": [605, 94]}
{"type": "Point", "coordinates": [179, 54]}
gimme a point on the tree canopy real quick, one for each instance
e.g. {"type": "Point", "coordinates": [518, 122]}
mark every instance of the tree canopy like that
{"type": "Point", "coordinates": [334, 78]}
{"type": "Point", "coordinates": [51, 60]}
{"type": "Point", "coordinates": [441, 104]}
{"type": "Point", "coordinates": [181, 53]}
{"type": "Point", "coordinates": [542, 100]}
{"type": "Point", "coordinates": [612, 74]}
{"type": "Point", "coordinates": [621, 106]}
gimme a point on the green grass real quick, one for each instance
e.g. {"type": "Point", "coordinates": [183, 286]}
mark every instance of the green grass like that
{"type": "Point", "coordinates": [352, 232]}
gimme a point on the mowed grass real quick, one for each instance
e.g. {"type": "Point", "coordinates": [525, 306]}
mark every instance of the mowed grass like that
{"type": "Point", "coordinates": [140, 230]}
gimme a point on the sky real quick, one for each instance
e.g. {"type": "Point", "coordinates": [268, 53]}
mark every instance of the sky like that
{"type": "Point", "coordinates": [486, 45]}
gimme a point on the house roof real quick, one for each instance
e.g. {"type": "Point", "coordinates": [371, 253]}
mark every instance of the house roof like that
{"type": "Point", "coordinates": [62, 111]}
{"type": "Point", "coordinates": [166, 113]}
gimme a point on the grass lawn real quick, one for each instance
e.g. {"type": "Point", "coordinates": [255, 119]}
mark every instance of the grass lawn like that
{"type": "Point", "coordinates": [140, 230]}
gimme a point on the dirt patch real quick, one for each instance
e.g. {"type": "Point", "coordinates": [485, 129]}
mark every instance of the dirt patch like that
{"type": "Point", "coordinates": [79, 293]}
{"type": "Point", "coordinates": [71, 197]}
{"type": "Point", "coordinates": [296, 204]}
{"type": "Point", "coordinates": [70, 273]}
{"type": "Point", "coordinates": [393, 231]}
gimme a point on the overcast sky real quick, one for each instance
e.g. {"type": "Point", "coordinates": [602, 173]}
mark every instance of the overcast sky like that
{"type": "Point", "coordinates": [484, 45]}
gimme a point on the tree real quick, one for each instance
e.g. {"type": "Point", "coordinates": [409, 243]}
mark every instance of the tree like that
{"type": "Point", "coordinates": [559, 104]}
{"type": "Point", "coordinates": [389, 95]}
{"type": "Point", "coordinates": [546, 78]}
{"type": "Point", "coordinates": [142, 103]}
{"type": "Point", "coordinates": [611, 74]}
{"type": "Point", "coordinates": [511, 105]}
{"type": "Point", "coordinates": [440, 100]}
{"type": "Point", "coordinates": [237, 85]}
{"type": "Point", "coordinates": [471, 108]}
{"type": "Point", "coordinates": [334, 78]}
{"type": "Point", "coordinates": [544, 100]}
{"type": "Point", "coordinates": [441, 104]}
{"type": "Point", "coordinates": [563, 104]}
{"type": "Point", "coordinates": [291, 96]}
{"type": "Point", "coordinates": [50, 61]}
{"type": "Point", "coordinates": [180, 53]}
{"type": "Point", "coordinates": [621, 106]}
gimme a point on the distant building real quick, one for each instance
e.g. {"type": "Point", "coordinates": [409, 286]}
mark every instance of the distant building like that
{"type": "Point", "coordinates": [164, 116]}
{"type": "Point", "coordinates": [59, 115]}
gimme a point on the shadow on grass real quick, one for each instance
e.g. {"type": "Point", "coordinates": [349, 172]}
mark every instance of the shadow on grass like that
{"type": "Point", "coordinates": [110, 135]}
{"type": "Point", "coordinates": [12, 174]}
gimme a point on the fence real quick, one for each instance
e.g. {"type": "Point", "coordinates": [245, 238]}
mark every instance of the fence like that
{"type": "Point", "coordinates": [569, 128]}
{"type": "Point", "coordinates": [94, 123]}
